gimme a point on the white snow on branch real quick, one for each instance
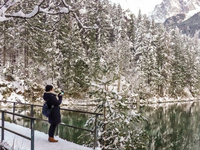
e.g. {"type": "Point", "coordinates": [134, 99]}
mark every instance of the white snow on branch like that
{"type": "Point", "coordinates": [21, 14]}
{"type": "Point", "coordinates": [2, 16]}
{"type": "Point", "coordinates": [64, 10]}
{"type": "Point", "coordinates": [35, 11]}
{"type": "Point", "coordinates": [66, 4]}
{"type": "Point", "coordinates": [3, 19]}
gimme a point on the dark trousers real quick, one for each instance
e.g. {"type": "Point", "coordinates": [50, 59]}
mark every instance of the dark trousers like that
{"type": "Point", "coordinates": [52, 129]}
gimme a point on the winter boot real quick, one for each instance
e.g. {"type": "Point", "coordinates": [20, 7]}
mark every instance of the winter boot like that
{"type": "Point", "coordinates": [51, 139]}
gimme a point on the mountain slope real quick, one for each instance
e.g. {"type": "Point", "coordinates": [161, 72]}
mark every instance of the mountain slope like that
{"type": "Point", "coordinates": [169, 8]}
{"type": "Point", "coordinates": [174, 20]}
{"type": "Point", "coordinates": [188, 27]}
{"type": "Point", "coordinates": [191, 25]}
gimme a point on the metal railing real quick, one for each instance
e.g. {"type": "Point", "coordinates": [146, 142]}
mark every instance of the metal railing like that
{"type": "Point", "coordinates": [78, 111]}
{"type": "Point", "coordinates": [4, 128]}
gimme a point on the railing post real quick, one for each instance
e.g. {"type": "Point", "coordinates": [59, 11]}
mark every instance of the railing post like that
{"type": "Point", "coordinates": [95, 132]}
{"type": "Point", "coordinates": [2, 127]}
{"type": "Point", "coordinates": [32, 134]}
{"type": "Point", "coordinates": [14, 111]}
{"type": "Point", "coordinates": [31, 110]}
{"type": "Point", "coordinates": [57, 130]}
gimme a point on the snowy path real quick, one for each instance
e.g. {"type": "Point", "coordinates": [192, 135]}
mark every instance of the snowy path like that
{"type": "Point", "coordinates": [41, 143]}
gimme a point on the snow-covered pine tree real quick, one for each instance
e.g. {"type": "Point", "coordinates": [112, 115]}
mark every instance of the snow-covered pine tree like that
{"type": "Point", "coordinates": [143, 54]}
{"type": "Point", "coordinates": [116, 128]}
{"type": "Point", "coordinates": [8, 52]}
{"type": "Point", "coordinates": [69, 52]}
{"type": "Point", "coordinates": [162, 54]}
{"type": "Point", "coordinates": [191, 55]}
{"type": "Point", "coordinates": [178, 63]}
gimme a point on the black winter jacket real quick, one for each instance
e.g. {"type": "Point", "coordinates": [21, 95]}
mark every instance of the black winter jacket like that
{"type": "Point", "coordinates": [50, 97]}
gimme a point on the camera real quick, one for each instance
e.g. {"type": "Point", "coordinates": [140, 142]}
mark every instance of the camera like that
{"type": "Point", "coordinates": [62, 92]}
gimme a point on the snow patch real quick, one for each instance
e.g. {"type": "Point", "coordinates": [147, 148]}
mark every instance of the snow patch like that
{"type": "Point", "coordinates": [191, 13]}
{"type": "Point", "coordinates": [64, 10]}
{"type": "Point", "coordinates": [16, 98]}
{"type": "Point", "coordinates": [83, 11]}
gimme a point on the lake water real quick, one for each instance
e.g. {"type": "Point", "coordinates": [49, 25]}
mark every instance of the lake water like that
{"type": "Point", "coordinates": [170, 126]}
{"type": "Point", "coordinates": [173, 126]}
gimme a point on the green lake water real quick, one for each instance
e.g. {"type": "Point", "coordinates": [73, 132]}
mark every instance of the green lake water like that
{"type": "Point", "coordinates": [173, 126]}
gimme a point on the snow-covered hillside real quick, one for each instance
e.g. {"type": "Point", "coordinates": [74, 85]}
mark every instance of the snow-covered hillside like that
{"type": "Point", "coordinates": [169, 8]}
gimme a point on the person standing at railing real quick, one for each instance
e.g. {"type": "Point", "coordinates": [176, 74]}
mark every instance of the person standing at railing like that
{"type": "Point", "coordinates": [55, 117]}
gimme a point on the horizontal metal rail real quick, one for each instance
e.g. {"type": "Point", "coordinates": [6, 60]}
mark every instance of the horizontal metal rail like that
{"type": "Point", "coordinates": [79, 111]}
{"type": "Point", "coordinates": [63, 124]}
{"type": "Point", "coordinates": [3, 127]}
{"type": "Point", "coordinates": [26, 137]}
{"type": "Point", "coordinates": [77, 127]}
{"type": "Point", "coordinates": [24, 116]}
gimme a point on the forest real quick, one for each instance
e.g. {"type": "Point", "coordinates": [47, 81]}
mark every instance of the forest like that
{"type": "Point", "coordinates": [142, 56]}
{"type": "Point", "coordinates": [96, 47]}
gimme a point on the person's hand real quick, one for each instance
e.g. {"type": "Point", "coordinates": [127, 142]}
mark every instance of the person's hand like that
{"type": "Point", "coordinates": [60, 95]}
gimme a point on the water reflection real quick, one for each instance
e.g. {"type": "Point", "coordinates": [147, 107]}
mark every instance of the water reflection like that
{"type": "Point", "coordinates": [173, 126]}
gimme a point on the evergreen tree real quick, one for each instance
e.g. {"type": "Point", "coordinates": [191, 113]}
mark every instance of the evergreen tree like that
{"type": "Point", "coordinates": [8, 51]}
{"type": "Point", "coordinates": [116, 126]}
{"type": "Point", "coordinates": [178, 65]}
{"type": "Point", "coordinates": [162, 57]}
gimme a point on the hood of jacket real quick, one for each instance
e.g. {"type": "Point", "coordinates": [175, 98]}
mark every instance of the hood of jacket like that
{"type": "Point", "coordinates": [48, 94]}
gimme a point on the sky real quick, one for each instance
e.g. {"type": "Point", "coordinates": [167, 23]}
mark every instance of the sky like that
{"type": "Point", "coordinates": [146, 6]}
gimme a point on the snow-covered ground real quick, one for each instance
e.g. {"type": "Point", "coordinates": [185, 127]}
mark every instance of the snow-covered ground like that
{"type": "Point", "coordinates": [15, 142]}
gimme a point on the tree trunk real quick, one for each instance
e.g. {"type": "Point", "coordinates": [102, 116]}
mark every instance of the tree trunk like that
{"type": "Point", "coordinates": [119, 78]}
{"type": "Point", "coordinates": [26, 55]}
{"type": "Point", "coordinates": [4, 46]}
{"type": "Point", "coordinates": [119, 83]}
{"type": "Point", "coordinates": [104, 129]}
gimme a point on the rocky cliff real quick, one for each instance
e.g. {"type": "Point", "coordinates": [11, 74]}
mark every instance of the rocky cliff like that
{"type": "Point", "coordinates": [169, 8]}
